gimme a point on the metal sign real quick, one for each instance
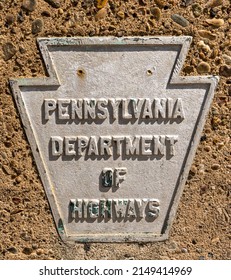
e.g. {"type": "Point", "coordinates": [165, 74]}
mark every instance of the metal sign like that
{"type": "Point", "coordinates": [113, 130]}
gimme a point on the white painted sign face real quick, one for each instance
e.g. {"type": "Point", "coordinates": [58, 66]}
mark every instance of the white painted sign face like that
{"type": "Point", "coordinates": [113, 130]}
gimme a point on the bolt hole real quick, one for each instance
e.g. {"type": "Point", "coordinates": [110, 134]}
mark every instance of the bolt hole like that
{"type": "Point", "coordinates": [80, 72]}
{"type": "Point", "coordinates": [149, 72]}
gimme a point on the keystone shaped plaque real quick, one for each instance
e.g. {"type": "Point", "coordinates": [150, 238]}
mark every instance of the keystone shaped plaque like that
{"type": "Point", "coordinates": [113, 129]}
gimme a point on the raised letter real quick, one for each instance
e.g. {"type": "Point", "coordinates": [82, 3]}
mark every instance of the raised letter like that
{"type": "Point", "coordinates": [141, 204]}
{"type": "Point", "coordinates": [107, 177]}
{"type": "Point", "coordinates": [56, 145]}
{"type": "Point", "coordinates": [63, 109]}
{"type": "Point", "coordinates": [49, 106]}
{"type": "Point", "coordinates": [178, 110]}
{"type": "Point", "coordinates": [160, 108]}
{"type": "Point", "coordinates": [117, 140]}
{"type": "Point", "coordinates": [85, 208]}
{"type": "Point", "coordinates": [93, 208]}
{"type": "Point", "coordinates": [125, 113]}
{"type": "Point", "coordinates": [137, 106]}
{"type": "Point", "coordinates": [132, 145]}
{"type": "Point", "coordinates": [153, 208]}
{"type": "Point", "coordinates": [89, 108]}
{"type": "Point", "coordinates": [159, 144]}
{"type": "Point", "coordinates": [101, 103]}
{"type": "Point", "coordinates": [146, 145]}
{"type": "Point", "coordinates": [131, 212]}
{"type": "Point", "coordinates": [76, 108]}
{"type": "Point", "coordinates": [147, 111]}
{"type": "Point", "coordinates": [69, 147]}
{"type": "Point", "coordinates": [169, 108]}
{"type": "Point", "coordinates": [105, 145]}
{"type": "Point", "coordinates": [92, 146]}
{"type": "Point", "coordinates": [105, 207]}
{"type": "Point", "coordinates": [120, 173]}
{"type": "Point", "coordinates": [120, 206]}
{"type": "Point", "coordinates": [170, 141]}
{"type": "Point", "coordinates": [82, 143]}
{"type": "Point", "coordinates": [76, 207]}
{"type": "Point", "coordinates": [115, 106]}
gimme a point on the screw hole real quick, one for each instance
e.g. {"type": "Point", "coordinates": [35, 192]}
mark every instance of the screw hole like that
{"type": "Point", "coordinates": [149, 72]}
{"type": "Point", "coordinates": [80, 72]}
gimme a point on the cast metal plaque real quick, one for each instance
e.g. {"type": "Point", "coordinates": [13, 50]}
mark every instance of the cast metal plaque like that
{"type": "Point", "coordinates": [113, 130]}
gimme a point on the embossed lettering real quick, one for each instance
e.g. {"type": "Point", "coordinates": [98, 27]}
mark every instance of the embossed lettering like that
{"type": "Point", "coordinates": [92, 146]}
{"type": "Point", "coordinates": [69, 143]}
{"type": "Point", "coordinates": [116, 108]}
{"type": "Point", "coordinates": [106, 146]}
{"type": "Point", "coordinates": [89, 108]}
{"type": "Point", "coordinates": [120, 208]}
{"type": "Point", "coordinates": [147, 110]}
{"type": "Point", "coordinates": [178, 111]}
{"type": "Point", "coordinates": [120, 173]}
{"type": "Point", "coordinates": [76, 109]}
{"type": "Point", "coordinates": [103, 112]}
{"type": "Point", "coordinates": [63, 109]}
{"type": "Point", "coordinates": [56, 145]}
{"type": "Point", "coordinates": [146, 145]}
{"type": "Point", "coordinates": [49, 106]}
{"type": "Point", "coordinates": [132, 145]}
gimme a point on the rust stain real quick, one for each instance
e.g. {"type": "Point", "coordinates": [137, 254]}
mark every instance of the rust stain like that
{"type": "Point", "coordinates": [81, 73]}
